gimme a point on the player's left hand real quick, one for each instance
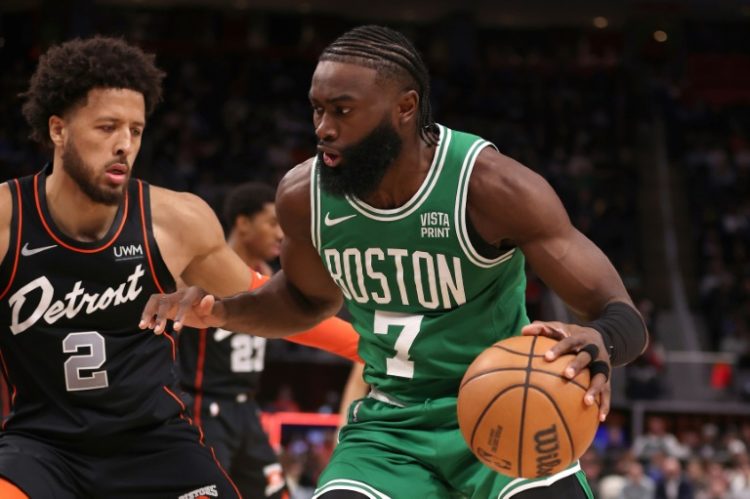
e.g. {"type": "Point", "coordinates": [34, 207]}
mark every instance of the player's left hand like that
{"type": "Point", "coordinates": [590, 352]}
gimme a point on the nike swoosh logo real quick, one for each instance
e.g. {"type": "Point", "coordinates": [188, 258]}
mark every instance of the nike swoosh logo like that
{"type": "Point", "coordinates": [330, 222]}
{"type": "Point", "coordinates": [25, 251]}
{"type": "Point", "coordinates": [222, 334]}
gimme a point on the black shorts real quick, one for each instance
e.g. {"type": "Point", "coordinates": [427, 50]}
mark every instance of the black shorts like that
{"type": "Point", "coordinates": [234, 431]}
{"type": "Point", "coordinates": [163, 462]}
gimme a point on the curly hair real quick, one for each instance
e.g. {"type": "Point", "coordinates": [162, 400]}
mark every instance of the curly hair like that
{"type": "Point", "coordinates": [67, 72]}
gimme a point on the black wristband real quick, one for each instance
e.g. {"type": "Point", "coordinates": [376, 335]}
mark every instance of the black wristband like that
{"type": "Point", "coordinates": [623, 331]}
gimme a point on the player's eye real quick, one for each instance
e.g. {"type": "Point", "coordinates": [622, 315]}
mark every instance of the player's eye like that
{"type": "Point", "coordinates": [343, 111]}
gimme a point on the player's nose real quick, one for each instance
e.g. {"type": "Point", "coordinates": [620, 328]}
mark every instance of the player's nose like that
{"type": "Point", "coordinates": [326, 129]}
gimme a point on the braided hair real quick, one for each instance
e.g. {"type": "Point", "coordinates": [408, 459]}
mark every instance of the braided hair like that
{"type": "Point", "coordinates": [392, 55]}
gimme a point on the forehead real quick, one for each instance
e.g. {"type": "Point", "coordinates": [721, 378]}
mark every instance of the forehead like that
{"type": "Point", "coordinates": [333, 79]}
{"type": "Point", "coordinates": [117, 103]}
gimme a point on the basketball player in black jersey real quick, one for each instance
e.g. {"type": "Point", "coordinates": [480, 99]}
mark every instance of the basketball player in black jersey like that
{"type": "Point", "coordinates": [222, 370]}
{"type": "Point", "coordinates": [96, 411]}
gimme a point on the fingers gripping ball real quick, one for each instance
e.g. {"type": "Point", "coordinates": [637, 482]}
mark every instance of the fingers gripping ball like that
{"type": "Point", "coordinates": [519, 414]}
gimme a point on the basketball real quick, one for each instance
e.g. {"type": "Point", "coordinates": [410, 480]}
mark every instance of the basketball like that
{"type": "Point", "coordinates": [518, 413]}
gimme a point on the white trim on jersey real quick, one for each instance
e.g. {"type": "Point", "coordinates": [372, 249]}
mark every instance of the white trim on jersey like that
{"type": "Point", "coordinates": [389, 215]}
{"type": "Point", "coordinates": [353, 485]}
{"type": "Point", "coordinates": [314, 206]}
{"type": "Point", "coordinates": [460, 211]}
{"type": "Point", "coordinates": [545, 482]}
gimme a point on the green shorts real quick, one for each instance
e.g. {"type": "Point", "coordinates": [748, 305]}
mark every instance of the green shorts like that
{"type": "Point", "coordinates": [416, 452]}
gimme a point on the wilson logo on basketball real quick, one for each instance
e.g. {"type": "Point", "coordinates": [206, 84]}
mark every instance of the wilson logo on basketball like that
{"type": "Point", "coordinates": [546, 445]}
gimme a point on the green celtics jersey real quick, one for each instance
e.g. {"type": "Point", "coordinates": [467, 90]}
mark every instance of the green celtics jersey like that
{"type": "Point", "coordinates": [424, 301]}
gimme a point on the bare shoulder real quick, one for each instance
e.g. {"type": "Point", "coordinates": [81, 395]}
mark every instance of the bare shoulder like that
{"type": "Point", "coordinates": [293, 199]}
{"type": "Point", "coordinates": [180, 210]}
{"type": "Point", "coordinates": [185, 228]}
{"type": "Point", "coordinates": [294, 188]}
{"type": "Point", "coordinates": [495, 173]}
{"type": "Point", "coordinates": [509, 201]}
{"type": "Point", "coordinates": [6, 214]}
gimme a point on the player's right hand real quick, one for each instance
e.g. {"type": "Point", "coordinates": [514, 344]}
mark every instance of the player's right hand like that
{"type": "Point", "coordinates": [190, 306]}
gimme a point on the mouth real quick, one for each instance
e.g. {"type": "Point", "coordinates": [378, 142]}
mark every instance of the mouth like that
{"type": "Point", "coordinates": [330, 157]}
{"type": "Point", "coordinates": [117, 173]}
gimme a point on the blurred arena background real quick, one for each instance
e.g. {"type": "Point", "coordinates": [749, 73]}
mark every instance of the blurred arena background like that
{"type": "Point", "coordinates": [637, 112]}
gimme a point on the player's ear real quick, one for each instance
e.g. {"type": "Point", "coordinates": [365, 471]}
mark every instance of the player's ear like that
{"type": "Point", "coordinates": [408, 106]}
{"type": "Point", "coordinates": [242, 223]}
{"type": "Point", "coordinates": [56, 130]}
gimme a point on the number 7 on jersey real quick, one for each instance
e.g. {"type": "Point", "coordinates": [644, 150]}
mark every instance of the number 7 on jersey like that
{"type": "Point", "coordinates": [399, 365]}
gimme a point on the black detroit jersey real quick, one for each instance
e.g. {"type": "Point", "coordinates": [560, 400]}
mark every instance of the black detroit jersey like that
{"type": "Point", "coordinates": [220, 363]}
{"type": "Point", "coordinates": [77, 364]}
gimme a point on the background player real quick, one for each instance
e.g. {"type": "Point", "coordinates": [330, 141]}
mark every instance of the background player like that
{"type": "Point", "coordinates": [222, 370]}
{"type": "Point", "coordinates": [424, 231]}
{"type": "Point", "coordinates": [82, 245]}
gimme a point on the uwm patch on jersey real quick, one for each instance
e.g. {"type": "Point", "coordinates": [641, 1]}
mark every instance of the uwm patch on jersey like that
{"type": "Point", "coordinates": [74, 355]}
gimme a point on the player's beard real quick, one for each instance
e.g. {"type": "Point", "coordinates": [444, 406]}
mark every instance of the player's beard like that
{"type": "Point", "coordinates": [86, 179]}
{"type": "Point", "coordinates": [363, 165]}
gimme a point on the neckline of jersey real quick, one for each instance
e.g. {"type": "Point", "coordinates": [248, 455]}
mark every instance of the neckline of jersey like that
{"type": "Point", "coordinates": [40, 181]}
{"type": "Point", "coordinates": [422, 193]}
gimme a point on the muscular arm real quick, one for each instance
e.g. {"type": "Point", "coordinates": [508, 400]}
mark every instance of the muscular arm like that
{"type": "Point", "coordinates": [293, 300]}
{"type": "Point", "coordinates": [532, 217]}
{"type": "Point", "coordinates": [303, 293]}
{"type": "Point", "coordinates": [192, 244]}
{"type": "Point", "coordinates": [508, 203]}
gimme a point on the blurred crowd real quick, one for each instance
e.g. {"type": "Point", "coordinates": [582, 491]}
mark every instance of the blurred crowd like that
{"type": "Point", "coordinates": [559, 104]}
{"type": "Point", "coordinates": [674, 458]}
{"type": "Point", "coordinates": [712, 145]}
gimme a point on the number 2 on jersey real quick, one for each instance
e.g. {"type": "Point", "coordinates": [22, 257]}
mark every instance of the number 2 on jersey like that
{"type": "Point", "coordinates": [75, 381]}
{"type": "Point", "coordinates": [399, 365]}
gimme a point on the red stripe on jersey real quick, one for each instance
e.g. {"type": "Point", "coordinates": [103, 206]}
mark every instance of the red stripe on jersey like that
{"type": "Point", "coordinates": [65, 245]}
{"type": "Point", "coordinates": [4, 397]}
{"type": "Point", "coordinates": [18, 240]}
{"type": "Point", "coordinates": [199, 368]}
{"type": "Point", "coordinates": [145, 238]}
{"type": "Point", "coordinates": [177, 399]}
{"type": "Point", "coordinates": [236, 490]}
{"type": "Point", "coordinates": [174, 346]}
{"type": "Point", "coordinates": [200, 430]}
{"type": "Point", "coordinates": [201, 441]}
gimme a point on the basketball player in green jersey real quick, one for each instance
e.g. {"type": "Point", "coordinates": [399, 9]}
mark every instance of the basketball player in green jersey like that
{"type": "Point", "coordinates": [423, 231]}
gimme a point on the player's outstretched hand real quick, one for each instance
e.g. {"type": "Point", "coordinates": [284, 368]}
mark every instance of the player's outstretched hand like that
{"type": "Point", "coordinates": [191, 307]}
{"type": "Point", "coordinates": [590, 352]}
